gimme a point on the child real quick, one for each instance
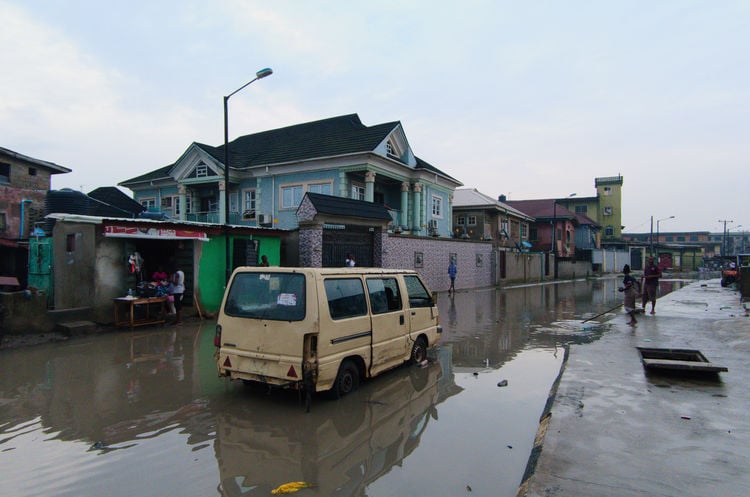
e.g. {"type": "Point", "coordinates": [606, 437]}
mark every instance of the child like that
{"type": "Point", "coordinates": [630, 292]}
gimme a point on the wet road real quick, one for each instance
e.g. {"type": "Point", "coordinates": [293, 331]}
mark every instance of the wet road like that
{"type": "Point", "coordinates": [144, 414]}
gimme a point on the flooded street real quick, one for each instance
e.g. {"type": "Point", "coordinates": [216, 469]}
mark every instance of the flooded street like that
{"type": "Point", "coordinates": [144, 414]}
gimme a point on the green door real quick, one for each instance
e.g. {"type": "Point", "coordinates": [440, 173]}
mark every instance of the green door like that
{"type": "Point", "coordinates": [40, 266]}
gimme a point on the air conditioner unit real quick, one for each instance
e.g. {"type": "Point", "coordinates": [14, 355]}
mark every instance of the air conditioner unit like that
{"type": "Point", "coordinates": [264, 219]}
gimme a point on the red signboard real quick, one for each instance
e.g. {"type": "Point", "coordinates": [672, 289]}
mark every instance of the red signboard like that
{"type": "Point", "coordinates": [154, 233]}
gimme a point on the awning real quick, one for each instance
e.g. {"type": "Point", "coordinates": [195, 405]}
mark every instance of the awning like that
{"type": "Point", "coordinates": [115, 231]}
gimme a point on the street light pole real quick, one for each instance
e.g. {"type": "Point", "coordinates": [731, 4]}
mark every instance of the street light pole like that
{"type": "Point", "coordinates": [258, 75]}
{"type": "Point", "coordinates": [657, 233]}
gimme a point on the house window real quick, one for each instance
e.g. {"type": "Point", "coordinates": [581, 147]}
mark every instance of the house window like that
{"type": "Point", "coordinates": [581, 209]}
{"type": "Point", "coordinates": [3, 222]}
{"type": "Point", "coordinates": [32, 171]}
{"type": "Point", "coordinates": [188, 203]}
{"type": "Point", "coordinates": [358, 192]}
{"type": "Point", "coordinates": [607, 190]}
{"type": "Point", "coordinates": [389, 148]}
{"type": "Point", "coordinates": [166, 203]}
{"type": "Point", "coordinates": [291, 196]}
{"type": "Point", "coordinates": [70, 243]}
{"type": "Point", "coordinates": [4, 172]}
{"type": "Point", "coordinates": [524, 230]}
{"type": "Point", "coordinates": [149, 203]}
{"type": "Point", "coordinates": [472, 221]}
{"type": "Point", "coordinates": [248, 203]}
{"type": "Point", "coordinates": [608, 211]}
{"type": "Point", "coordinates": [201, 171]}
{"type": "Point", "coordinates": [437, 206]}
{"type": "Point", "coordinates": [504, 227]}
{"type": "Point", "coordinates": [533, 234]}
{"type": "Point", "coordinates": [234, 202]}
{"type": "Point", "coordinates": [609, 231]}
{"type": "Point", "coordinates": [322, 188]}
{"type": "Point", "coordinates": [460, 221]}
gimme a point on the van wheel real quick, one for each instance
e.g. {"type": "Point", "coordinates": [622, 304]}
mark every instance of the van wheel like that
{"type": "Point", "coordinates": [347, 380]}
{"type": "Point", "coordinates": [418, 351]}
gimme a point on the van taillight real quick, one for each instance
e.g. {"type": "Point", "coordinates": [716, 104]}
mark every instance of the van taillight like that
{"type": "Point", "coordinates": [217, 336]}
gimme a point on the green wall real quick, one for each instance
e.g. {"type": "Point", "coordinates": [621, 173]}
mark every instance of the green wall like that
{"type": "Point", "coordinates": [212, 269]}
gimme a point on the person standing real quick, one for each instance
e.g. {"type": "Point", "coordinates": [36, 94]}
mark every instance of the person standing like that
{"type": "Point", "coordinates": [350, 261]}
{"type": "Point", "coordinates": [264, 261]}
{"type": "Point", "coordinates": [651, 275]}
{"type": "Point", "coordinates": [629, 293]}
{"type": "Point", "coordinates": [452, 271]}
{"type": "Point", "coordinates": [178, 289]}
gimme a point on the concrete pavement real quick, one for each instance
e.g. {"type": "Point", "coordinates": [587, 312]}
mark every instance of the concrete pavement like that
{"type": "Point", "coordinates": [613, 430]}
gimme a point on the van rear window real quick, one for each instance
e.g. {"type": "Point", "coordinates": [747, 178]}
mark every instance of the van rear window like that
{"type": "Point", "coordinates": [272, 296]}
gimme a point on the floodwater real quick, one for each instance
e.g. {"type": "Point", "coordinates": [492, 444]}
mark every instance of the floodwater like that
{"type": "Point", "coordinates": [144, 414]}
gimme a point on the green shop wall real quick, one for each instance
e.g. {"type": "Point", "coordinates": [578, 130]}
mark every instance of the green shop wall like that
{"type": "Point", "coordinates": [212, 270]}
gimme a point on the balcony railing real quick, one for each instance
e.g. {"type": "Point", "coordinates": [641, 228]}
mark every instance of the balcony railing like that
{"type": "Point", "coordinates": [203, 217]}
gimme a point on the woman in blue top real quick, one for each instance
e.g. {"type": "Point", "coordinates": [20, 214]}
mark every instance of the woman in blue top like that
{"type": "Point", "coordinates": [452, 270]}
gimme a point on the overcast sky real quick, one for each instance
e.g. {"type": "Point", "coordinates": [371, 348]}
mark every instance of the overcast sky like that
{"type": "Point", "coordinates": [528, 99]}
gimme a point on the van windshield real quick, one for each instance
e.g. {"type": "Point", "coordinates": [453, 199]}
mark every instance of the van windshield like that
{"type": "Point", "coordinates": [272, 296]}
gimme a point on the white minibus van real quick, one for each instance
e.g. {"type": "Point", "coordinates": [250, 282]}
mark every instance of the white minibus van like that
{"type": "Point", "coordinates": [322, 329]}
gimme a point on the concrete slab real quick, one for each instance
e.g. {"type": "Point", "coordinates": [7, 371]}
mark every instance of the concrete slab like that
{"type": "Point", "coordinates": [616, 430]}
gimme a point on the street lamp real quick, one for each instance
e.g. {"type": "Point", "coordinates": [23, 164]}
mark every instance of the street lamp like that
{"type": "Point", "coordinates": [553, 244]}
{"type": "Point", "coordinates": [657, 234]}
{"type": "Point", "coordinates": [258, 75]}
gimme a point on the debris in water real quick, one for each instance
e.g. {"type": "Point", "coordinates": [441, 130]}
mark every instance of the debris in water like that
{"type": "Point", "coordinates": [509, 446]}
{"type": "Point", "coordinates": [503, 383]}
{"type": "Point", "coordinates": [423, 364]}
{"type": "Point", "coordinates": [98, 446]}
{"type": "Point", "coordinates": [476, 373]}
{"type": "Point", "coordinates": [685, 417]}
{"type": "Point", "coordinates": [290, 488]}
{"type": "Point", "coordinates": [468, 488]}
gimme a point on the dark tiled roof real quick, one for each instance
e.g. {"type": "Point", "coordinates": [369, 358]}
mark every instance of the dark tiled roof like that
{"type": "Point", "coordinates": [325, 138]}
{"type": "Point", "coordinates": [339, 206]}
{"type": "Point", "coordinates": [112, 196]}
{"type": "Point", "coordinates": [161, 173]}
{"type": "Point", "coordinates": [51, 166]}
{"type": "Point", "coordinates": [541, 208]}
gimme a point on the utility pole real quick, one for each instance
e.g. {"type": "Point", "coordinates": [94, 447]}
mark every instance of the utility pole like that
{"type": "Point", "coordinates": [724, 238]}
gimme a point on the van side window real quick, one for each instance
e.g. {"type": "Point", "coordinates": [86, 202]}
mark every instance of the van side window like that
{"type": "Point", "coordinates": [384, 295]}
{"type": "Point", "coordinates": [418, 295]}
{"type": "Point", "coordinates": [346, 297]}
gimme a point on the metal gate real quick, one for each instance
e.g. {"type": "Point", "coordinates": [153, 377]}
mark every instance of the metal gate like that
{"type": "Point", "coordinates": [40, 267]}
{"type": "Point", "coordinates": [355, 240]}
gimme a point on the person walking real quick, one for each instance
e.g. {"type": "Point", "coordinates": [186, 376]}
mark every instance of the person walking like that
{"type": "Point", "coordinates": [452, 271]}
{"type": "Point", "coordinates": [651, 275]}
{"type": "Point", "coordinates": [629, 294]}
{"type": "Point", "coordinates": [178, 289]}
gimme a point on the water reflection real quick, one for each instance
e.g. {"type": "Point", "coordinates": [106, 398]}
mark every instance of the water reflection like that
{"type": "Point", "coordinates": [122, 410]}
{"type": "Point", "coordinates": [488, 327]}
{"type": "Point", "coordinates": [339, 448]}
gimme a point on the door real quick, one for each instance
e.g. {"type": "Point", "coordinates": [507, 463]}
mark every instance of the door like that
{"type": "Point", "coordinates": [421, 316]}
{"type": "Point", "coordinates": [40, 266]}
{"type": "Point", "coordinates": [389, 327]}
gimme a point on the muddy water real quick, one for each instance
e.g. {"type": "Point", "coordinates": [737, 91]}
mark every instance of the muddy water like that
{"type": "Point", "coordinates": [143, 413]}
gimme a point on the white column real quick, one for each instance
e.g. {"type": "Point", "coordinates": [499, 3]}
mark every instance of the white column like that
{"type": "Point", "coordinates": [182, 199]}
{"type": "Point", "coordinates": [405, 205]}
{"type": "Point", "coordinates": [417, 218]}
{"type": "Point", "coordinates": [370, 186]}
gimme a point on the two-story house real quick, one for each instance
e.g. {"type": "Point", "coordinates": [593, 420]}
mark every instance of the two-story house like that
{"type": "Point", "coordinates": [480, 217]}
{"type": "Point", "coordinates": [24, 183]}
{"type": "Point", "coordinates": [272, 170]}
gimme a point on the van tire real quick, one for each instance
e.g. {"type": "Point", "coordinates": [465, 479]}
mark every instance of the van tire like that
{"type": "Point", "coordinates": [347, 379]}
{"type": "Point", "coordinates": [418, 351]}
